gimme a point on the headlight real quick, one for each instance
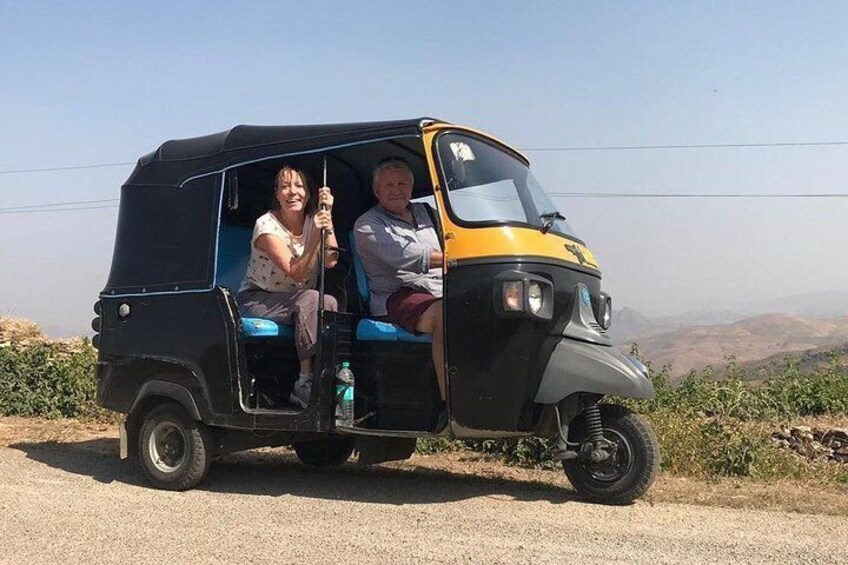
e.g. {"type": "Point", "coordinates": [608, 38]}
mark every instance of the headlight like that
{"type": "Point", "coordinates": [605, 311]}
{"type": "Point", "coordinates": [534, 297]}
{"type": "Point", "coordinates": [518, 294]}
{"type": "Point", "coordinates": [513, 296]}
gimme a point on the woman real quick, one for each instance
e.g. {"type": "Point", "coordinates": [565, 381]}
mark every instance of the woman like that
{"type": "Point", "coordinates": [280, 280]}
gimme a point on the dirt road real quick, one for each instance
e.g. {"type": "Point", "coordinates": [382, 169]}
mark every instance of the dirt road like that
{"type": "Point", "coordinates": [73, 501]}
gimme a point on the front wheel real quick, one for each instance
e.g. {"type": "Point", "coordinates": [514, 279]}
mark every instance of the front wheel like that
{"type": "Point", "coordinates": [174, 450]}
{"type": "Point", "coordinates": [632, 457]}
{"type": "Point", "coordinates": [330, 452]}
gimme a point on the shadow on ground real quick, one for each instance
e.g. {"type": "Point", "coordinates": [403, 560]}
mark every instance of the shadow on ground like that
{"type": "Point", "coordinates": [277, 472]}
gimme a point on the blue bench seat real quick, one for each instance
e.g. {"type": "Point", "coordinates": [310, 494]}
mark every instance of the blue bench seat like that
{"type": "Point", "coordinates": [260, 327]}
{"type": "Point", "coordinates": [372, 330]}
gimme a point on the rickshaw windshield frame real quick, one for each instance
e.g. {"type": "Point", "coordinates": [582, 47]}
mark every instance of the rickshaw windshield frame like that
{"type": "Point", "coordinates": [525, 203]}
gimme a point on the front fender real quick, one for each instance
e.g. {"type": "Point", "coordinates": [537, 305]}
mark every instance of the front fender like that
{"type": "Point", "coordinates": [577, 366]}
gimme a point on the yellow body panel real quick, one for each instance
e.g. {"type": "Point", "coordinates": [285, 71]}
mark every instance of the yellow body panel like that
{"type": "Point", "coordinates": [473, 243]}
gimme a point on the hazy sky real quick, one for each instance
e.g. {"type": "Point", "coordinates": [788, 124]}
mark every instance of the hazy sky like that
{"type": "Point", "coordinates": [90, 82]}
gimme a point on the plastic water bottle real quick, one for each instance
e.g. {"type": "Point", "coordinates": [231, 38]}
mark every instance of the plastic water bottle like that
{"type": "Point", "coordinates": [344, 395]}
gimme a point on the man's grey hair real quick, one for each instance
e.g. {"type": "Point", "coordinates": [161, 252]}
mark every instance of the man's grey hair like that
{"type": "Point", "coordinates": [391, 164]}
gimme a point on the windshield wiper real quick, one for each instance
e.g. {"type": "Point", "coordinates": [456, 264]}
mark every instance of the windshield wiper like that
{"type": "Point", "coordinates": [548, 219]}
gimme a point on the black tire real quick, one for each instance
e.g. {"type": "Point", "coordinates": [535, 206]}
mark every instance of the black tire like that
{"type": "Point", "coordinates": [331, 452]}
{"type": "Point", "coordinates": [174, 450]}
{"type": "Point", "coordinates": [629, 473]}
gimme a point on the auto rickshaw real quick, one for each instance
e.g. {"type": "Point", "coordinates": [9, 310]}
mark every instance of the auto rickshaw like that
{"type": "Point", "coordinates": [525, 318]}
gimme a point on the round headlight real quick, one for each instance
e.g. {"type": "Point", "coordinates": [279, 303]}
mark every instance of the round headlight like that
{"type": "Point", "coordinates": [606, 311]}
{"type": "Point", "coordinates": [534, 297]}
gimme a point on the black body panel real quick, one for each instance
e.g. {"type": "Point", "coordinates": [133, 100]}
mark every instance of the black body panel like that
{"type": "Point", "coordinates": [166, 238]}
{"type": "Point", "coordinates": [188, 339]}
{"type": "Point", "coordinates": [396, 382]}
{"type": "Point", "coordinates": [495, 364]}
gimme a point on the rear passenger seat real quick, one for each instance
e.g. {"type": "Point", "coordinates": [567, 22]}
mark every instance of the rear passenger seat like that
{"type": "Point", "coordinates": [374, 330]}
{"type": "Point", "coordinates": [233, 256]}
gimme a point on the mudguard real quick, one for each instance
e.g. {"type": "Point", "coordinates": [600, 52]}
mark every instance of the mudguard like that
{"type": "Point", "coordinates": [577, 366]}
{"type": "Point", "coordinates": [166, 389]}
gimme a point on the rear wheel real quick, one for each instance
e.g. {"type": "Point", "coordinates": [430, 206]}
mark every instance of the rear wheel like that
{"type": "Point", "coordinates": [627, 464]}
{"type": "Point", "coordinates": [174, 450]}
{"type": "Point", "coordinates": [330, 452]}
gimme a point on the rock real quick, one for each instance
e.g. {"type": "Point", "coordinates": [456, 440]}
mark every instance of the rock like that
{"type": "Point", "coordinates": [835, 435]}
{"type": "Point", "coordinates": [813, 444]}
{"type": "Point", "coordinates": [784, 433]}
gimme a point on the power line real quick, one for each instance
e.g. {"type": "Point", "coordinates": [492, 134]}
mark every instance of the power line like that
{"type": "Point", "coordinates": [56, 204]}
{"type": "Point", "coordinates": [41, 211]}
{"type": "Point", "coordinates": [554, 149]}
{"type": "Point", "coordinates": [693, 146]}
{"type": "Point", "coordinates": [693, 195]}
{"type": "Point", "coordinates": [65, 168]}
{"type": "Point", "coordinates": [77, 205]}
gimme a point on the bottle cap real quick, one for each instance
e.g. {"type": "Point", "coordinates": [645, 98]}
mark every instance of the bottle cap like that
{"type": "Point", "coordinates": [346, 364]}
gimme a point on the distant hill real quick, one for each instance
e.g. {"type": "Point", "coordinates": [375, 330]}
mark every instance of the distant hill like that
{"type": "Point", "coordinates": [628, 325]}
{"type": "Point", "coordinates": [757, 338]}
{"type": "Point", "coordinates": [831, 304]}
{"type": "Point", "coordinates": [805, 361]}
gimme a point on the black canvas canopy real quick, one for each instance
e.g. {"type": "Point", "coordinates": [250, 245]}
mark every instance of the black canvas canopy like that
{"type": "Point", "coordinates": [178, 160]}
{"type": "Point", "coordinates": [173, 201]}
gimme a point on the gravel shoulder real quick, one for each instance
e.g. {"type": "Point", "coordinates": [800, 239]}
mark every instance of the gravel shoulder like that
{"type": "Point", "coordinates": [65, 497]}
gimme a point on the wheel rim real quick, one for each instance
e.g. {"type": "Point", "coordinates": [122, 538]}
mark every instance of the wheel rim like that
{"type": "Point", "coordinates": [167, 446]}
{"type": "Point", "coordinates": [618, 464]}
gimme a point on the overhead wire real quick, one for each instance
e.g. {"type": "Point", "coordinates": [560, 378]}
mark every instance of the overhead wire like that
{"type": "Point", "coordinates": [690, 146]}
{"type": "Point", "coordinates": [65, 168]}
{"type": "Point", "coordinates": [46, 210]}
{"type": "Point", "coordinates": [55, 204]}
{"type": "Point", "coordinates": [72, 206]}
{"type": "Point", "coordinates": [694, 195]}
{"type": "Point", "coordinates": [528, 149]}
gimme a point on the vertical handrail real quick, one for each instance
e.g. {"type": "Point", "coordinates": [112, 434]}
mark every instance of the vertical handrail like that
{"type": "Point", "coordinates": [321, 266]}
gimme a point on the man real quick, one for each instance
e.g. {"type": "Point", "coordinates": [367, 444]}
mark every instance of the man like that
{"type": "Point", "coordinates": [402, 256]}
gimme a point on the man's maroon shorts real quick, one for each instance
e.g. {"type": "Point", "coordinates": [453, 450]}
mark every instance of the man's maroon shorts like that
{"type": "Point", "coordinates": [406, 305]}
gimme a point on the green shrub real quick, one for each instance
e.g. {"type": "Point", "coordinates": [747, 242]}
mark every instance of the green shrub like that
{"type": "Point", "coordinates": [527, 452]}
{"type": "Point", "coordinates": [433, 445]}
{"type": "Point", "coordinates": [710, 427]}
{"type": "Point", "coordinates": [48, 380]}
{"type": "Point", "coordinates": [708, 447]}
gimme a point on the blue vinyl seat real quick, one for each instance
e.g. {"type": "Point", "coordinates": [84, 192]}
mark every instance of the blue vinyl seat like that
{"type": "Point", "coordinates": [233, 257]}
{"type": "Point", "coordinates": [260, 327]}
{"type": "Point", "coordinates": [374, 330]}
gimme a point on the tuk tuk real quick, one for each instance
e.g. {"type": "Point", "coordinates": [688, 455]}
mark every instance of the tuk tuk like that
{"type": "Point", "coordinates": [526, 349]}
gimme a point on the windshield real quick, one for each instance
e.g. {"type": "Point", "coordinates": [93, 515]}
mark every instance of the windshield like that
{"type": "Point", "coordinates": [488, 185]}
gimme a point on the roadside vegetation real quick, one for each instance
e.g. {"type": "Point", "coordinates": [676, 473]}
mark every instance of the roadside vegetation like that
{"type": "Point", "coordinates": [49, 380]}
{"type": "Point", "coordinates": [710, 428]}
{"type": "Point", "coordinates": [707, 428]}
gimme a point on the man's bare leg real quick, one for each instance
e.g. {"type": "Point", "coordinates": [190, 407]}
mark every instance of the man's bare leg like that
{"type": "Point", "coordinates": [432, 322]}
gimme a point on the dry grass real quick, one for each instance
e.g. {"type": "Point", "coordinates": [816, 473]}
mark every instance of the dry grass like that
{"type": "Point", "coordinates": [20, 331]}
{"type": "Point", "coordinates": [787, 495]}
